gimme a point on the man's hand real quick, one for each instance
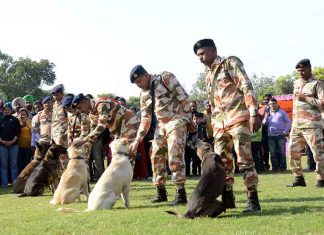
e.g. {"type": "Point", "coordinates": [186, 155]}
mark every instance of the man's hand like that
{"type": "Point", "coordinates": [79, 142]}
{"type": "Point", "coordinates": [255, 123]}
{"type": "Point", "coordinates": [300, 96]}
{"type": "Point", "coordinates": [133, 147]}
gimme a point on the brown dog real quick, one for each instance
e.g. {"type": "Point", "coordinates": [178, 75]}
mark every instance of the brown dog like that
{"type": "Point", "coordinates": [20, 182]}
{"type": "Point", "coordinates": [46, 174]}
{"type": "Point", "coordinates": [203, 200]}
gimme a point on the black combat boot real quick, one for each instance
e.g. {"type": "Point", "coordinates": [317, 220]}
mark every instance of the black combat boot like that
{"type": "Point", "coordinates": [320, 184]}
{"type": "Point", "coordinates": [161, 195]}
{"type": "Point", "coordinates": [253, 204]}
{"type": "Point", "coordinates": [180, 197]}
{"type": "Point", "coordinates": [299, 181]}
{"type": "Point", "coordinates": [228, 198]}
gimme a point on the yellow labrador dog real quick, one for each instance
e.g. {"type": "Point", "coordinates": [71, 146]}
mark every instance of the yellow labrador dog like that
{"type": "Point", "coordinates": [74, 177]}
{"type": "Point", "coordinates": [115, 180]}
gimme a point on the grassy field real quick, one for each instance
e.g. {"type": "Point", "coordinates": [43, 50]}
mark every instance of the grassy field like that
{"type": "Point", "coordinates": [284, 211]}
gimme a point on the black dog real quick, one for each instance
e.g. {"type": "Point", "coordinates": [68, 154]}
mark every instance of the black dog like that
{"type": "Point", "coordinates": [20, 182]}
{"type": "Point", "coordinates": [46, 174]}
{"type": "Point", "coordinates": [203, 200]}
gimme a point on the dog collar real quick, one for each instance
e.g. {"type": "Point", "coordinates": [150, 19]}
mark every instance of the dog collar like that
{"type": "Point", "coordinates": [78, 158]}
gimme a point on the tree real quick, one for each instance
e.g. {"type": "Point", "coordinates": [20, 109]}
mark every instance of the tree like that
{"type": "Point", "coordinates": [263, 85]}
{"type": "Point", "coordinates": [199, 92]}
{"type": "Point", "coordinates": [284, 84]}
{"type": "Point", "coordinates": [134, 101]}
{"type": "Point", "coordinates": [24, 76]}
{"type": "Point", "coordinates": [318, 72]}
{"type": "Point", "coordinates": [111, 95]}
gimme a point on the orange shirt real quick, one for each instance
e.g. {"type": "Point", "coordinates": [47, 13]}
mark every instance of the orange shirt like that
{"type": "Point", "coordinates": [24, 140]}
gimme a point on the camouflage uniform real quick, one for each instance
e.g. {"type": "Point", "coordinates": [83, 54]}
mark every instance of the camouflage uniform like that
{"type": "Point", "coordinates": [120, 121]}
{"type": "Point", "coordinates": [59, 125]}
{"type": "Point", "coordinates": [42, 124]}
{"type": "Point", "coordinates": [171, 107]}
{"type": "Point", "coordinates": [233, 103]}
{"type": "Point", "coordinates": [307, 126]}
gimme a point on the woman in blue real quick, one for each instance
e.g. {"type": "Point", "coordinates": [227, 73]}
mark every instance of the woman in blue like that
{"type": "Point", "coordinates": [9, 133]}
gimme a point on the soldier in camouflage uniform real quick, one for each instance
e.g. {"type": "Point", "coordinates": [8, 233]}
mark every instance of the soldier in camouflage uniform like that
{"type": "Point", "coordinates": [42, 122]}
{"type": "Point", "coordinates": [307, 126]}
{"type": "Point", "coordinates": [164, 96]}
{"type": "Point", "coordinates": [120, 121]}
{"type": "Point", "coordinates": [234, 116]}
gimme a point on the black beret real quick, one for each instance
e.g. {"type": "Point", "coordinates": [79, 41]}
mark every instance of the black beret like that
{"type": "Point", "coordinates": [204, 43]}
{"type": "Point", "coordinates": [77, 99]}
{"type": "Point", "coordinates": [303, 63]}
{"type": "Point", "coordinates": [136, 72]}
{"type": "Point", "coordinates": [89, 96]}
{"type": "Point", "coordinates": [45, 99]}
{"type": "Point", "coordinates": [58, 89]}
{"type": "Point", "coordinates": [67, 100]}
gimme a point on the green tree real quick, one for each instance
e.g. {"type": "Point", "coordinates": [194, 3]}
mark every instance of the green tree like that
{"type": "Point", "coordinates": [199, 92]}
{"type": "Point", "coordinates": [111, 95]}
{"type": "Point", "coordinates": [24, 76]}
{"type": "Point", "coordinates": [263, 85]}
{"type": "Point", "coordinates": [134, 101]}
{"type": "Point", "coordinates": [318, 72]}
{"type": "Point", "coordinates": [284, 84]}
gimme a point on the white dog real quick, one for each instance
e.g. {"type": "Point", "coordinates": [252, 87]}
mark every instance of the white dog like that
{"type": "Point", "coordinates": [74, 177]}
{"type": "Point", "coordinates": [114, 181]}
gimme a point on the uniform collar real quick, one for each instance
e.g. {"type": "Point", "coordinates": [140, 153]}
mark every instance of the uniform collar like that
{"type": "Point", "coordinates": [216, 62]}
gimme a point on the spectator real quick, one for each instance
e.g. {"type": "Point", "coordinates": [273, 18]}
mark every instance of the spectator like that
{"type": "Point", "coordinates": [256, 147]}
{"type": "Point", "coordinates": [24, 140]}
{"type": "Point", "coordinates": [38, 106]}
{"type": "Point", "coordinates": [265, 147]}
{"type": "Point", "coordinates": [17, 104]}
{"type": "Point", "coordinates": [29, 101]}
{"type": "Point", "coordinates": [9, 133]}
{"type": "Point", "coordinates": [207, 116]}
{"type": "Point", "coordinates": [279, 125]}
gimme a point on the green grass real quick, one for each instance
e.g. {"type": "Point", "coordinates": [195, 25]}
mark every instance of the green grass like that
{"type": "Point", "coordinates": [284, 211]}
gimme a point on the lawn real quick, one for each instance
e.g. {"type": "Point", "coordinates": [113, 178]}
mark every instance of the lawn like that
{"type": "Point", "coordinates": [284, 211]}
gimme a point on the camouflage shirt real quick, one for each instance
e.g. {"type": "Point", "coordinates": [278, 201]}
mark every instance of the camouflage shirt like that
{"type": "Point", "coordinates": [307, 114]}
{"type": "Point", "coordinates": [171, 104]}
{"type": "Point", "coordinates": [232, 97]}
{"type": "Point", "coordinates": [42, 124]}
{"type": "Point", "coordinates": [119, 120]}
{"type": "Point", "coordinates": [59, 125]}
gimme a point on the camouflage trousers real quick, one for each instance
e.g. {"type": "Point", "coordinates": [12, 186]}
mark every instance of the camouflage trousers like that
{"type": "Point", "coordinates": [169, 146]}
{"type": "Point", "coordinates": [239, 136]}
{"type": "Point", "coordinates": [297, 141]}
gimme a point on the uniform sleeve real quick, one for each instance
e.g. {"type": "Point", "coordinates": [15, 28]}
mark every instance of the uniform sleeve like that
{"type": "Point", "coordinates": [288, 122]}
{"type": "Point", "coordinates": [173, 85]}
{"type": "Point", "coordinates": [103, 112]}
{"type": "Point", "coordinates": [146, 115]}
{"type": "Point", "coordinates": [243, 83]}
{"type": "Point", "coordinates": [317, 101]}
{"type": "Point", "coordinates": [36, 124]}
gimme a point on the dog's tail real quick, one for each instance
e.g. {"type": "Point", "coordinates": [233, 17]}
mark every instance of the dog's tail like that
{"type": "Point", "coordinates": [67, 210]}
{"type": "Point", "coordinates": [175, 213]}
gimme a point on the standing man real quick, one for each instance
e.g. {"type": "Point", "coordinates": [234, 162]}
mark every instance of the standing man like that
{"type": "Point", "coordinates": [163, 96]}
{"type": "Point", "coordinates": [207, 115]}
{"type": "Point", "coordinates": [234, 116]}
{"type": "Point", "coordinates": [307, 126]}
{"type": "Point", "coordinates": [278, 124]}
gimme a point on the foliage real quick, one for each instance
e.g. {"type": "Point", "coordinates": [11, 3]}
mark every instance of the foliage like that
{"type": "Point", "coordinates": [318, 72]}
{"type": "Point", "coordinates": [284, 211]}
{"type": "Point", "coordinates": [25, 76]}
{"type": "Point", "coordinates": [263, 85]}
{"type": "Point", "coordinates": [284, 85]}
{"type": "Point", "coordinates": [111, 95]}
{"type": "Point", "coordinates": [134, 101]}
{"type": "Point", "coordinates": [198, 92]}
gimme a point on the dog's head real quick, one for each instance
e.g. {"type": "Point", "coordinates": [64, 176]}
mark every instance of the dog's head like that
{"type": "Point", "coordinates": [55, 151]}
{"type": "Point", "coordinates": [119, 146]}
{"type": "Point", "coordinates": [40, 150]}
{"type": "Point", "coordinates": [203, 148]}
{"type": "Point", "coordinates": [75, 152]}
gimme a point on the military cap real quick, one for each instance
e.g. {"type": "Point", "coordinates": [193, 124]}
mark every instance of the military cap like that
{"type": "Point", "coordinates": [77, 99]}
{"type": "Point", "coordinates": [58, 89]}
{"type": "Point", "coordinates": [67, 100]}
{"type": "Point", "coordinates": [137, 71]}
{"type": "Point", "coordinates": [303, 63]}
{"type": "Point", "coordinates": [28, 98]}
{"type": "Point", "coordinates": [89, 96]}
{"type": "Point", "coordinates": [203, 43]}
{"type": "Point", "coordinates": [46, 99]}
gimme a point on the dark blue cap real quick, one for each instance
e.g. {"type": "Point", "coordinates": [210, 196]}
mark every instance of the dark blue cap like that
{"type": "Point", "coordinates": [303, 63]}
{"type": "Point", "coordinates": [77, 99]}
{"type": "Point", "coordinates": [45, 99]}
{"type": "Point", "coordinates": [204, 43]}
{"type": "Point", "coordinates": [67, 100]}
{"type": "Point", "coordinates": [8, 105]}
{"type": "Point", "coordinates": [137, 71]}
{"type": "Point", "coordinates": [58, 89]}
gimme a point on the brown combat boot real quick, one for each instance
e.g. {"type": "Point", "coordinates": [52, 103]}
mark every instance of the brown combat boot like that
{"type": "Point", "coordinates": [180, 197]}
{"type": "Point", "coordinates": [299, 181]}
{"type": "Point", "coordinates": [253, 203]}
{"type": "Point", "coordinates": [161, 195]}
